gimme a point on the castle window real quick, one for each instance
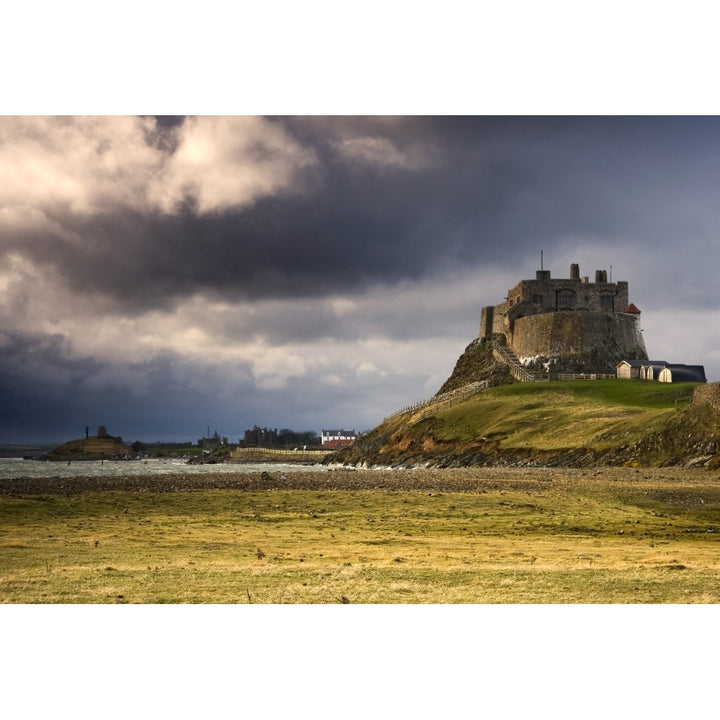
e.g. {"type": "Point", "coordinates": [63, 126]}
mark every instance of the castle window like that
{"type": "Point", "coordinates": [537, 298]}
{"type": "Point", "coordinates": [565, 298]}
{"type": "Point", "coordinates": [606, 301]}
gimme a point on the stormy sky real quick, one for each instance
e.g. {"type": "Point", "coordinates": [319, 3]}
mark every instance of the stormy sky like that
{"type": "Point", "coordinates": [163, 275]}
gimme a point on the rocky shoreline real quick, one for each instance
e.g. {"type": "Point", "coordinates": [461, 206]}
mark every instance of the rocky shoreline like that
{"type": "Point", "coordinates": [411, 479]}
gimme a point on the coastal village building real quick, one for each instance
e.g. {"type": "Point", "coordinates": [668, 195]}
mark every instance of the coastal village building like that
{"type": "Point", "coordinates": [636, 369]}
{"type": "Point", "coordinates": [331, 439]}
{"type": "Point", "coordinates": [212, 442]}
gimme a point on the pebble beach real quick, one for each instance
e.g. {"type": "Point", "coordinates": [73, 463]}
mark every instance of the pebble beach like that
{"type": "Point", "coordinates": [425, 479]}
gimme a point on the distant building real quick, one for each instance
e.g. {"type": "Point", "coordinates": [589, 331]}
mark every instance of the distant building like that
{"type": "Point", "coordinates": [260, 437]}
{"type": "Point", "coordinates": [331, 439]}
{"type": "Point", "coordinates": [212, 443]}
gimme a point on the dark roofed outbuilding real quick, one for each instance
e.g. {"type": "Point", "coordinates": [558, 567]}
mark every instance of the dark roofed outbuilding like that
{"type": "Point", "coordinates": [682, 373]}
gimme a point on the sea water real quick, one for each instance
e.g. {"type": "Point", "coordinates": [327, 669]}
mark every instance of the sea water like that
{"type": "Point", "coordinates": [17, 467]}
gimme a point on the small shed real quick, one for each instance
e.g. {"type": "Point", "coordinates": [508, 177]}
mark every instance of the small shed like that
{"type": "Point", "coordinates": [651, 369]}
{"type": "Point", "coordinates": [629, 369]}
{"type": "Point", "coordinates": [639, 369]}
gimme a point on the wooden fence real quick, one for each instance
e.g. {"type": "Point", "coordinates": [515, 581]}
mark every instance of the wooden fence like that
{"type": "Point", "coordinates": [446, 399]}
{"type": "Point", "coordinates": [263, 452]}
{"type": "Point", "coordinates": [519, 372]}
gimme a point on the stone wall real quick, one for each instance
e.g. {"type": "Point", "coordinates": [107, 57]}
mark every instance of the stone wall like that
{"type": "Point", "coordinates": [709, 393]}
{"type": "Point", "coordinates": [611, 336]}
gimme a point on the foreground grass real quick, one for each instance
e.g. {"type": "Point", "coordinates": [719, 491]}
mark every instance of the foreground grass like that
{"type": "Point", "coordinates": [532, 537]}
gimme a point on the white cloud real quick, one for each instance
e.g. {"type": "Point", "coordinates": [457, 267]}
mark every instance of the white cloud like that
{"type": "Point", "coordinates": [89, 165]}
{"type": "Point", "coordinates": [80, 165]}
{"type": "Point", "coordinates": [381, 152]}
{"type": "Point", "coordinates": [228, 162]}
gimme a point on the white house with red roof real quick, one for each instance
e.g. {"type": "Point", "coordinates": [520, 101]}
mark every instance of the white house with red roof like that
{"type": "Point", "coordinates": [332, 439]}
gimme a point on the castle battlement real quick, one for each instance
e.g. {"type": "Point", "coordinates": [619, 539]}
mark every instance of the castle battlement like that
{"type": "Point", "coordinates": [547, 295]}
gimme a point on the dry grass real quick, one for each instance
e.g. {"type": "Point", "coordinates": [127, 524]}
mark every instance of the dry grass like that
{"type": "Point", "coordinates": [461, 536]}
{"type": "Point", "coordinates": [553, 416]}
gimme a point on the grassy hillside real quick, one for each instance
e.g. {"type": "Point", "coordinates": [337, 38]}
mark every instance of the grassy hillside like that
{"type": "Point", "coordinates": [92, 448]}
{"type": "Point", "coordinates": [553, 423]}
{"type": "Point", "coordinates": [557, 415]}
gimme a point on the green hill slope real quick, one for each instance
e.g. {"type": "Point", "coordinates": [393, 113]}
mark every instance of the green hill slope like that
{"type": "Point", "coordinates": [574, 423]}
{"type": "Point", "coordinates": [93, 448]}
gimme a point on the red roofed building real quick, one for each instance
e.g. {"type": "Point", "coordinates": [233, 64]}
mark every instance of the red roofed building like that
{"type": "Point", "coordinates": [332, 439]}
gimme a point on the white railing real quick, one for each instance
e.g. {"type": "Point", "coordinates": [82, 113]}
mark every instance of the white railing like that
{"type": "Point", "coordinates": [517, 370]}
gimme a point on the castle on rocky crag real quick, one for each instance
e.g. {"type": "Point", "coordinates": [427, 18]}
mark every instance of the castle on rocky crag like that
{"type": "Point", "coordinates": [569, 324]}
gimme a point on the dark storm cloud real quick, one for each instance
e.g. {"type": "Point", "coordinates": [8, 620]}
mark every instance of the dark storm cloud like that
{"type": "Point", "coordinates": [463, 190]}
{"type": "Point", "coordinates": [46, 394]}
{"type": "Point", "coordinates": [39, 384]}
{"type": "Point", "coordinates": [239, 268]}
{"type": "Point", "coordinates": [476, 190]}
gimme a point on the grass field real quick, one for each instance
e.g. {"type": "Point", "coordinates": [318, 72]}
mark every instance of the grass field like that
{"type": "Point", "coordinates": [478, 536]}
{"type": "Point", "coordinates": [556, 415]}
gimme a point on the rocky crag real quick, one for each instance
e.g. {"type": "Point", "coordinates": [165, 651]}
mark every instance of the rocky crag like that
{"type": "Point", "coordinates": [477, 363]}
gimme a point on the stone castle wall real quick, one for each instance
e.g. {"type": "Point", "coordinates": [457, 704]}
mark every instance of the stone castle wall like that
{"type": "Point", "coordinates": [575, 333]}
{"type": "Point", "coordinates": [709, 394]}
